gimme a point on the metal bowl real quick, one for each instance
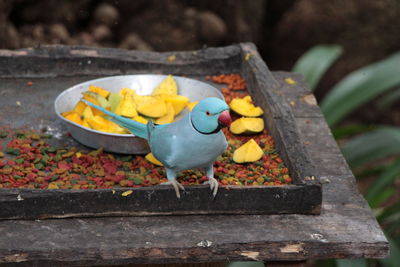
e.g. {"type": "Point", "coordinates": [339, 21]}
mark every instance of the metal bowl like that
{"type": "Point", "coordinates": [144, 85]}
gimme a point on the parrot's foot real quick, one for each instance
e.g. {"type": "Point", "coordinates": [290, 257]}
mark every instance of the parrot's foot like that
{"type": "Point", "coordinates": [213, 185]}
{"type": "Point", "coordinates": [176, 186]}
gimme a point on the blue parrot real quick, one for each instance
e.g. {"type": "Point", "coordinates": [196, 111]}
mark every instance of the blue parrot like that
{"type": "Point", "coordinates": [193, 142]}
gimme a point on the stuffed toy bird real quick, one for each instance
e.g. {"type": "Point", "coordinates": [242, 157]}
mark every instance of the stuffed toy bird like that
{"type": "Point", "coordinates": [193, 142]}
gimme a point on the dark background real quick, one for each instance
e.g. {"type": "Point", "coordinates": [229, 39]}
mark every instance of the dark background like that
{"type": "Point", "coordinates": [283, 30]}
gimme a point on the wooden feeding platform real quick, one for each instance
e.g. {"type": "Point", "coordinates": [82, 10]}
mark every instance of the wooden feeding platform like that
{"type": "Point", "coordinates": [320, 215]}
{"type": "Point", "coordinates": [302, 196]}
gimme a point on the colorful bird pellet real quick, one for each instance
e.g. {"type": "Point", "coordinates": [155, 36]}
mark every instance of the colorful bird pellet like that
{"type": "Point", "coordinates": [27, 160]}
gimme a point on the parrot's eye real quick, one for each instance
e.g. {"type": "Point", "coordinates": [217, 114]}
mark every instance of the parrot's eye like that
{"type": "Point", "coordinates": [208, 113]}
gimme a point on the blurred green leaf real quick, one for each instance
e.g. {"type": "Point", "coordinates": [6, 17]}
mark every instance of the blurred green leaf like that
{"type": "Point", "coordinates": [389, 212]}
{"type": "Point", "coordinates": [371, 171]}
{"type": "Point", "coordinates": [351, 263]}
{"type": "Point", "coordinates": [352, 129]}
{"type": "Point", "coordinates": [390, 217]}
{"type": "Point", "coordinates": [387, 177]}
{"type": "Point", "coordinates": [359, 87]}
{"type": "Point", "coordinates": [315, 62]}
{"type": "Point", "coordinates": [388, 99]}
{"type": "Point", "coordinates": [381, 197]}
{"type": "Point", "coordinates": [326, 263]}
{"type": "Point", "coordinates": [393, 259]}
{"type": "Point", "coordinates": [394, 226]}
{"type": "Point", "coordinates": [373, 145]}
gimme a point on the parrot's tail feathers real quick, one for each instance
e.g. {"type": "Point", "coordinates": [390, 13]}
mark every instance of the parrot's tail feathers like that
{"type": "Point", "coordinates": [137, 128]}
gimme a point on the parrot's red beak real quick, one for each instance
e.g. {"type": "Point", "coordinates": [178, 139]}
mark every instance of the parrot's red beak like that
{"type": "Point", "coordinates": [224, 118]}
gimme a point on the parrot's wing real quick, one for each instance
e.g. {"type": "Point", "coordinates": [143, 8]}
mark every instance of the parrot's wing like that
{"type": "Point", "coordinates": [137, 128]}
{"type": "Point", "coordinates": [164, 143]}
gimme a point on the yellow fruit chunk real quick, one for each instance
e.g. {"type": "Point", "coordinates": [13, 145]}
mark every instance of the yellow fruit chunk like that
{"type": "Point", "coordinates": [150, 106]}
{"type": "Point", "coordinates": [168, 117]}
{"type": "Point", "coordinates": [150, 157]}
{"type": "Point", "coordinates": [100, 99]}
{"type": "Point", "coordinates": [66, 113]}
{"type": "Point", "coordinates": [191, 105]}
{"type": "Point", "coordinates": [92, 98]}
{"type": "Point", "coordinates": [247, 126]}
{"type": "Point", "coordinates": [73, 116]}
{"type": "Point", "coordinates": [115, 128]}
{"type": "Point", "coordinates": [249, 152]}
{"type": "Point", "coordinates": [179, 102]}
{"type": "Point", "coordinates": [87, 113]}
{"type": "Point", "coordinates": [114, 100]}
{"type": "Point", "coordinates": [85, 124]}
{"type": "Point", "coordinates": [166, 87]}
{"type": "Point", "coordinates": [98, 123]}
{"type": "Point", "coordinates": [104, 93]}
{"type": "Point", "coordinates": [245, 107]}
{"type": "Point", "coordinates": [126, 107]}
{"type": "Point", "coordinates": [140, 119]}
{"type": "Point", "coordinates": [127, 91]}
{"type": "Point", "coordinates": [79, 107]}
{"type": "Point", "coordinates": [127, 193]}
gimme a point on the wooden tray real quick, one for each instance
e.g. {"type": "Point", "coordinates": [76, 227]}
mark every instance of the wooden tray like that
{"type": "Point", "coordinates": [54, 68]}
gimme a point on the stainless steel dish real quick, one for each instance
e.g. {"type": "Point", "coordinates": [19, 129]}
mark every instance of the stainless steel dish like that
{"type": "Point", "coordinates": [144, 85]}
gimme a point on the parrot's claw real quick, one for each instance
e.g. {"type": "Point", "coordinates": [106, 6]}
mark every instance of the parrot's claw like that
{"type": "Point", "coordinates": [176, 186]}
{"type": "Point", "coordinates": [213, 185]}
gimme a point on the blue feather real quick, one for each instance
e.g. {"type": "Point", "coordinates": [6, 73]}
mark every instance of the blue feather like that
{"type": "Point", "coordinates": [137, 128]}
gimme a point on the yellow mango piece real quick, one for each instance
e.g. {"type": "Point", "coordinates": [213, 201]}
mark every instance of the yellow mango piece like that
{"type": "Point", "coordinates": [74, 117]}
{"type": "Point", "coordinates": [103, 102]}
{"type": "Point", "coordinates": [66, 113]}
{"type": "Point", "coordinates": [114, 100]}
{"type": "Point", "coordinates": [247, 126]}
{"type": "Point", "coordinates": [115, 128]}
{"type": "Point", "coordinates": [166, 87]}
{"type": "Point", "coordinates": [98, 123]}
{"type": "Point", "coordinates": [126, 107]}
{"type": "Point", "coordinates": [150, 157]}
{"type": "Point", "coordinates": [249, 152]}
{"type": "Point", "coordinates": [191, 105]}
{"type": "Point", "coordinates": [127, 193]}
{"type": "Point", "coordinates": [179, 102]}
{"type": "Point", "coordinates": [245, 107]}
{"type": "Point", "coordinates": [127, 91]}
{"type": "Point", "coordinates": [104, 93]}
{"type": "Point", "coordinates": [80, 107]}
{"type": "Point", "coordinates": [92, 99]}
{"type": "Point", "coordinates": [87, 113]}
{"type": "Point", "coordinates": [140, 119]}
{"type": "Point", "coordinates": [86, 124]}
{"type": "Point", "coordinates": [168, 117]}
{"type": "Point", "coordinates": [151, 106]}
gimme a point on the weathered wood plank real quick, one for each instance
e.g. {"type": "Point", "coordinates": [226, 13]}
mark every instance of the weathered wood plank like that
{"type": "Point", "coordinates": [304, 197]}
{"type": "Point", "coordinates": [321, 146]}
{"type": "Point", "coordinates": [338, 232]}
{"type": "Point", "coordinates": [159, 200]}
{"type": "Point", "coordinates": [298, 96]}
{"type": "Point", "coordinates": [60, 60]}
{"type": "Point", "coordinates": [345, 228]}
